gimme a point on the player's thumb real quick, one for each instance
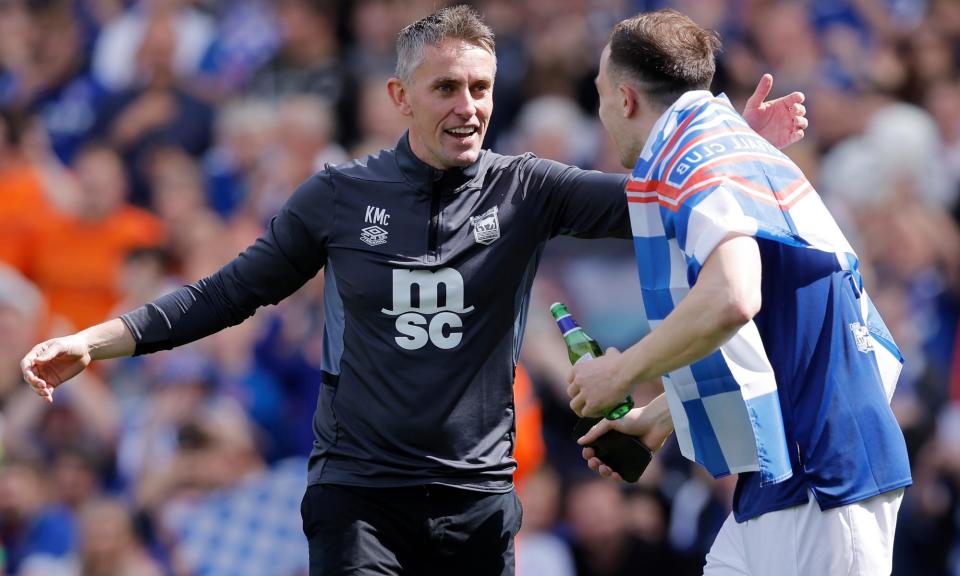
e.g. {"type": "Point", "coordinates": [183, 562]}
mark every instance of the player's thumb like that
{"type": "Point", "coordinates": [598, 430]}
{"type": "Point", "coordinates": [761, 93]}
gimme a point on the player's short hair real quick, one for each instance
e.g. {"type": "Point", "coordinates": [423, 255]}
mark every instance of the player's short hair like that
{"type": "Point", "coordinates": [458, 22]}
{"type": "Point", "coordinates": [665, 53]}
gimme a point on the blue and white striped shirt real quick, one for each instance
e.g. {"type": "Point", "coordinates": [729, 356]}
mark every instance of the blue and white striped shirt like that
{"type": "Point", "coordinates": [799, 398]}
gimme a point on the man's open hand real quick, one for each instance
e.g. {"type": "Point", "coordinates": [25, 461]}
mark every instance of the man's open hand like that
{"type": "Point", "coordinates": [53, 362]}
{"type": "Point", "coordinates": [782, 121]}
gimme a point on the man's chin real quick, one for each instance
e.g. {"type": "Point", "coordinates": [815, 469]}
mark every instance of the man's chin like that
{"type": "Point", "coordinates": [464, 158]}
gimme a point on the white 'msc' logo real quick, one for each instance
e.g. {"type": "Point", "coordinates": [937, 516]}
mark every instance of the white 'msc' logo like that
{"type": "Point", "coordinates": [427, 306]}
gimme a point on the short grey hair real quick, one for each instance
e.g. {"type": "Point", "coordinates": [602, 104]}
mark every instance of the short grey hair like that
{"type": "Point", "coordinates": [459, 22]}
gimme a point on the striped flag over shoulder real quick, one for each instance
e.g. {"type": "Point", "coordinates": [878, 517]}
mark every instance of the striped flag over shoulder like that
{"type": "Point", "coordinates": [705, 175]}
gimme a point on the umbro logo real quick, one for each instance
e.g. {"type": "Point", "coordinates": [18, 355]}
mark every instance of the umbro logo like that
{"type": "Point", "coordinates": [373, 235]}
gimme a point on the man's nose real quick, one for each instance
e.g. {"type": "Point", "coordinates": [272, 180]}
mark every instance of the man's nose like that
{"type": "Point", "coordinates": [466, 105]}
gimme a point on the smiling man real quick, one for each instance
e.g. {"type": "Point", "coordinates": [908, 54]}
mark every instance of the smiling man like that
{"type": "Point", "coordinates": [429, 251]}
{"type": "Point", "coordinates": [448, 97]}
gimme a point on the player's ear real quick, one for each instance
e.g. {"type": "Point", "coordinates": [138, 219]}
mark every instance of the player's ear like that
{"type": "Point", "coordinates": [629, 100]}
{"type": "Point", "coordinates": [399, 95]}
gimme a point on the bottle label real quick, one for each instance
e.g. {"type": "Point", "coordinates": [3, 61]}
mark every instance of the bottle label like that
{"type": "Point", "coordinates": [567, 324]}
{"type": "Point", "coordinates": [584, 358]}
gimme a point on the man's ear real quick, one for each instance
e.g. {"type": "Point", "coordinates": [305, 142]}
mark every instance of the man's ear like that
{"type": "Point", "coordinates": [630, 103]}
{"type": "Point", "coordinates": [399, 96]}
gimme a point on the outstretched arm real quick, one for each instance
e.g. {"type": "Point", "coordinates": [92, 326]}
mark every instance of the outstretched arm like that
{"type": "Point", "coordinates": [289, 253]}
{"type": "Point", "coordinates": [781, 121]}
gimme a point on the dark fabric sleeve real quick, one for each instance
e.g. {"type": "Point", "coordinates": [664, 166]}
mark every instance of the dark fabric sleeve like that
{"type": "Point", "coordinates": [582, 203]}
{"type": "Point", "coordinates": [290, 252]}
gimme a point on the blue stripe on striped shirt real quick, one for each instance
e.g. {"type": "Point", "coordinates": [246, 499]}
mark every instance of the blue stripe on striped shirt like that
{"type": "Point", "coordinates": [705, 443]}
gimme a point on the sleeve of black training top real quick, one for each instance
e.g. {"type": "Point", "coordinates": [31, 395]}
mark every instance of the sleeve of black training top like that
{"type": "Point", "coordinates": [583, 203]}
{"type": "Point", "coordinates": [290, 252]}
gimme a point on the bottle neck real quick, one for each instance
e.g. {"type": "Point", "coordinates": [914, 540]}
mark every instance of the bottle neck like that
{"type": "Point", "coordinates": [567, 325]}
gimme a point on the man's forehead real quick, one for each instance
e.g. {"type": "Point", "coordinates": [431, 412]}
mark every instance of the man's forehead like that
{"type": "Point", "coordinates": [457, 59]}
{"type": "Point", "coordinates": [602, 69]}
{"type": "Point", "coordinates": [605, 56]}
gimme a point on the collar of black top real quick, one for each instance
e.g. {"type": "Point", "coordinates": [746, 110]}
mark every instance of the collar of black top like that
{"type": "Point", "coordinates": [428, 178]}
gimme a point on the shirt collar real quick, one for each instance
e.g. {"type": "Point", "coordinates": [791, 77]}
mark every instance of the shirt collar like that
{"type": "Point", "coordinates": [667, 122]}
{"type": "Point", "coordinates": [425, 176]}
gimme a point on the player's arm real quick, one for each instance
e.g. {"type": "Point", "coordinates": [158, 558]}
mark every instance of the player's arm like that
{"type": "Point", "coordinates": [290, 252]}
{"type": "Point", "coordinates": [724, 298]}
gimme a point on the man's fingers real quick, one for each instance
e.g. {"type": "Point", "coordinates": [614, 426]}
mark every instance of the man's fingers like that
{"type": "Point", "coordinates": [799, 109]}
{"type": "Point", "coordinates": [598, 430]}
{"type": "Point", "coordinates": [796, 136]}
{"type": "Point", "coordinates": [577, 405]}
{"type": "Point", "coordinates": [30, 369]}
{"type": "Point", "coordinates": [802, 123]}
{"type": "Point", "coordinates": [26, 365]}
{"type": "Point", "coordinates": [600, 468]}
{"type": "Point", "coordinates": [588, 453]}
{"type": "Point", "coordinates": [791, 101]}
{"type": "Point", "coordinates": [39, 385]}
{"type": "Point", "coordinates": [591, 410]}
{"type": "Point", "coordinates": [761, 93]}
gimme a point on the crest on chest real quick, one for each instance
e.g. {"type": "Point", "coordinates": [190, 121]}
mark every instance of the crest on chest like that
{"type": "Point", "coordinates": [486, 227]}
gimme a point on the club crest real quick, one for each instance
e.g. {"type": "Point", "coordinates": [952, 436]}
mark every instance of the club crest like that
{"type": "Point", "coordinates": [486, 227]}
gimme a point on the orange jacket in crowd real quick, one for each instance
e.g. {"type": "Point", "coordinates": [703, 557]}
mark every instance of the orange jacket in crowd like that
{"type": "Point", "coordinates": [76, 264]}
{"type": "Point", "coordinates": [529, 450]}
{"type": "Point", "coordinates": [23, 209]}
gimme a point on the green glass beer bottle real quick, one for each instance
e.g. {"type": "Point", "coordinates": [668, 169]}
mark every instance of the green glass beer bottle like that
{"type": "Point", "coordinates": [580, 346]}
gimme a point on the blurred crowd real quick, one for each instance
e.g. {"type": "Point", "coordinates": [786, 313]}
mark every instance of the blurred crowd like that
{"type": "Point", "coordinates": [144, 143]}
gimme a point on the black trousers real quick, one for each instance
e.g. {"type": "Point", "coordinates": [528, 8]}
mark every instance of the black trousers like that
{"type": "Point", "coordinates": [413, 531]}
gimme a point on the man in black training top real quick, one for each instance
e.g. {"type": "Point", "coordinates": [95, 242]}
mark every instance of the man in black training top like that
{"type": "Point", "coordinates": [429, 252]}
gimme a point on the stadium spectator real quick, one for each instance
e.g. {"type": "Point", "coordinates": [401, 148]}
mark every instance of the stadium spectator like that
{"type": "Point", "coordinates": [157, 108]}
{"type": "Point", "coordinates": [76, 261]}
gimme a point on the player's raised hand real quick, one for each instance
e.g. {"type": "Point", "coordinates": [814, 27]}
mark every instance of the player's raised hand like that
{"type": "Point", "coordinates": [53, 362]}
{"type": "Point", "coordinates": [782, 121]}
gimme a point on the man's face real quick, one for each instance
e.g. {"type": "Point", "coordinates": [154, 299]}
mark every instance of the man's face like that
{"type": "Point", "coordinates": [103, 183]}
{"type": "Point", "coordinates": [448, 101]}
{"type": "Point", "coordinates": [612, 114]}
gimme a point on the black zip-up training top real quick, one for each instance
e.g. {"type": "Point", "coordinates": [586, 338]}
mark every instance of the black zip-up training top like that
{"type": "Point", "coordinates": [427, 279]}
